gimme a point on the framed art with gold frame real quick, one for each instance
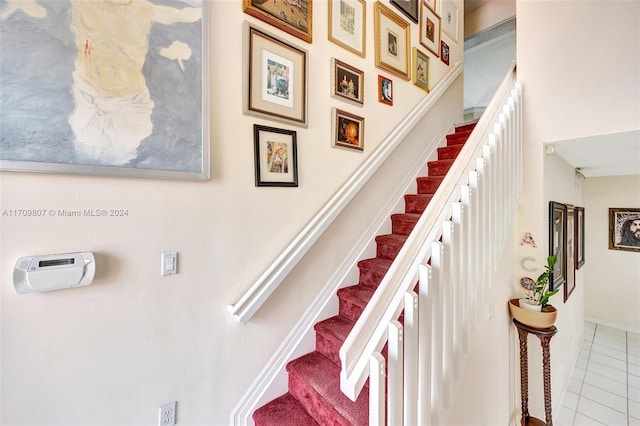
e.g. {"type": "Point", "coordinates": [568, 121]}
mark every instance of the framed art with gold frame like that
{"type": "Point", "coordinates": [430, 29]}
{"type": "Point", "coordinates": [347, 82]}
{"type": "Point", "coordinates": [392, 41]}
{"type": "Point", "coordinates": [276, 78]}
{"type": "Point", "coordinates": [348, 24]}
{"type": "Point", "coordinates": [385, 90]}
{"type": "Point", "coordinates": [420, 69]}
{"type": "Point", "coordinates": [449, 14]}
{"type": "Point", "coordinates": [348, 130]}
{"type": "Point", "coordinates": [294, 18]}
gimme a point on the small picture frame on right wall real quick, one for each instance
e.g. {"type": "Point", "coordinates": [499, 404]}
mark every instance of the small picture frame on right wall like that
{"type": "Point", "coordinates": [624, 229]}
{"type": "Point", "coordinates": [449, 14]}
{"type": "Point", "coordinates": [444, 52]}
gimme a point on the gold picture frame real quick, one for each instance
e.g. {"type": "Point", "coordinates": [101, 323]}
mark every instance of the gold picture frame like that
{"type": "Point", "coordinates": [392, 41]}
{"type": "Point", "coordinates": [348, 130]}
{"type": "Point", "coordinates": [348, 25]}
{"type": "Point", "coordinates": [295, 18]}
{"type": "Point", "coordinates": [275, 73]}
{"type": "Point", "coordinates": [430, 27]}
{"type": "Point", "coordinates": [347, 82]}
{"type": "Point", "coordinates": [420, 69]}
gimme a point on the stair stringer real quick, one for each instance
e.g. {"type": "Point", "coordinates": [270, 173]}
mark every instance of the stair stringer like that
{"type": "Point", "coordinates": [272, 380]}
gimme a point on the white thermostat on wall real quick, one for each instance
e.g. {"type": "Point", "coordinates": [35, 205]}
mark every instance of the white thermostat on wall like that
{"type": "Point", "coordinates": [53, 271]}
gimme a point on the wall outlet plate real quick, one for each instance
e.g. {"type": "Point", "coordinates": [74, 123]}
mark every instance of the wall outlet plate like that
{"type": "Point", "coordinates": [168, 414]}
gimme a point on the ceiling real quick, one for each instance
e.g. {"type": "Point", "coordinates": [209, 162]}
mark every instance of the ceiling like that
{"type": "Point", "coordinates": [614, 154]}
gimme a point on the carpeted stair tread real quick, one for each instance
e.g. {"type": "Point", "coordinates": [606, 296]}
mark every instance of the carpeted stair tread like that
{"type": "Point", "coordinates": [388, 245]}
{"type": "Point", "coordinates": [428, 184]}
{"type": "Point", "coordinates": [449, 152]}
{"type": "Point", "coordinates": [416, 203]}
{"type": "Point", "coordinates": [468, 126]}
{"type": "Point", "coordinates": [283, 411]}
{"type": "Point", "coordinates": [439, 167]}
{"type": "Point", "coordinates": [372, 271]}
{"type": "Point", "coordinates": [353, 299]}
{"type": "Point", "coordinates": [403, 223]}
{"type": "Point", "coordinates": [330, 335]}
{"type": "Point", "coordinates": [315, 382]}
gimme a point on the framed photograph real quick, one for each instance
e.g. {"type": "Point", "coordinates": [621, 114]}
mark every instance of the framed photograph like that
{"type": "Point", "coordinates": [293, 17]}
{"type": "Point", "coordinates": [385, 90]}
{"type": "Point", "coordinates": [430, 30]}
{"type": "Point", "coordinates": [558, 243]}
{"type": "Point", "coordinates": [431, 4]}
{"type": "Point", "coordinates": [392, 41]}
{"type": "Point", "coordinates": [348, 130]}
{"type": "Point", "coordinates": [444, 52]}
{"type": "Point", "coordinates": [420, 69]}
{"type": "Point", "coordinates": [348, 24]}
{"type": "Point", "coordinates": [276, 78]}
{"type": "Point", "coordinates": [579, 237]}
{"type": "Point", "coordinates": [449, 14]}
{"type": "Point", "coordinates": [571, 253]}
{"type": "Point", "coordinates": [624, 229]}
{"type": "Point", "coordinates": [410, 8]}
{"type": "Point", "coordinates": [347, 82]}
{"type": "Point", "coordinates": [276, 156]}
{"type": "Point", "coordinates": [148, 117]}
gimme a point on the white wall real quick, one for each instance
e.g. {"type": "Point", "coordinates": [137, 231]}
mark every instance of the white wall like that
{"type": "Point", "coordinates": [113, 352]}
{"type": "Point", "coordinates": [611, 277]}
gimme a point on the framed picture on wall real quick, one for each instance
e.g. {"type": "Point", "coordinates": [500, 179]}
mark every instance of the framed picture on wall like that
{"type": "Point", "coordinates": [347, 82]}
{"type": "Point", "coordinates": [385, 90]}
{"type": "Point", "coordinates": [449, 14]}
{"type": "Point", "coordinates": [348, 24]}
{"type": "Point", "coordinates": [624, 229]}
{"type": "Point", "coordinates": [348, 130]}
{"type": "Point", "coordinates": [293, 17]}
{"type": "Point", "coordinates": [410, 8]}
{"type": "Point", "coordinates": [558, 243]}
{"type": "Point", "coordinates": [392, 42]}
{"type": "Point", "coordinates": [420, 69]}
{"type": "Point", "coordinates": [570, 253]}
{"type": "Point", "coordinates": [276, 162]}
{"type": "Point", "coordinates": [579, 233]}
{"type": "Point", "coordinates": [430, 30]}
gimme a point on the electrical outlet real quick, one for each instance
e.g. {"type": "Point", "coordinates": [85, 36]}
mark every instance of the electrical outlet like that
{"type": "Point", "coordinates": [168, 414]}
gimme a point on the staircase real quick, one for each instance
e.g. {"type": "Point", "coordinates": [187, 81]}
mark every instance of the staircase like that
{"type": "Point", "coordinates": [314, 396]}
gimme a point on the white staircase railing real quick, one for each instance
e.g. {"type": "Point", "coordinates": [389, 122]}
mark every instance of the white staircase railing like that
{"type": "Point", "coordinates": [452, 255]}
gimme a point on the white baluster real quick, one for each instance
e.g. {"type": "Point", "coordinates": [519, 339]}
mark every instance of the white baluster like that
{"type": "Point", "coordinates": [376, 390]}
{"type": "Point", "coordinates": [411, 371]}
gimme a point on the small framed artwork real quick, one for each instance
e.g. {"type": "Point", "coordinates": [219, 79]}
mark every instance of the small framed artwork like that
{"type": "Point", "coordinates": [385, 90]}
{"type": "Point", "coordinates": [431, 4]}
{"type": "Point", "coordinates": [558, 243]}
{"type": "Point", "coordinates": [420, 69]}
{"type": "Point", "coordinates": [293, 17]}
{"type": "Point", "coordinates": [444, 52]}
{"type": "Point", "coordinates": [449, 14]}
{"type": "Point", "coordinates": [624, 229]}
{"type": "Point", "coordinates": [276, 162]}
{"type": "Point", "coordinates": [347, 82]}
{"type": "Point", "coordinates": [276, 78]}
{"type": "Point", "coordinates": [410, 8]}
{"type": "Point", "coordinates": [348, 24]}
{"type": "Point", "coordinates": [392, 41]}
{"type": "Point", "coordinates": [570, 251]}
{"type": "Point", "coordinates": [579, 237]}
{"type": "Point", "coordinates": [430, 30]}
{"type": "Point", "coordinates": [348, 130]}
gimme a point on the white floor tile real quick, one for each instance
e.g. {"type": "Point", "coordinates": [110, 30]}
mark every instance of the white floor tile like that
{"type": "Point", "coordinates": [582, 363]}
{"type": "Point", "coordinates": [635, 343]}
{"type": "Point", "coordinates": [601, 396]}
{"type": "Point", "coordinates": [578, 373]}
{"type": "Point", "coordinates": [633, 359]}
{"type": "Point", "coordinates": [570, 401]}
{"type": "Point", "coordinates": [586, 346]}
{"type": "Point", "coordinates": [564, 417]}
{"type": "Point", "coordinates": [601, 413]}
{"type": "Point", "coordinates": [633, 394]}
{"type": "Point", "coordinates": [606, 383]}
{"type": "Point", "coordinates": [575, 386]}
{"type": "Point", "coordinates": [608, 361]}
{"type": "Point", "coordinates": [604, 330]}
{"type": "Point", "coordinates": [633, 350]}
{"type": "Point", "coordinates": [584, 353]}
{"type": "Point", "coordinates": [606, 371]}
{"type": "Point", "coordinates": [633, 369]}
{"type": "Point", "coordinates": [619, 345]}
{"type": "Point", "coordinates": [634, 422]}
{"type": "Point", "coordinates": [633, 381]}
{"type": "Point", "coordinates": [634, 409]}
{"type": "Point", "coordinates": [605, 350]}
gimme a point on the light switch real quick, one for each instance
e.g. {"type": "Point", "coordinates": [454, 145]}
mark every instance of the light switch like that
{"type": "Point", "coordinates": [169, 263]}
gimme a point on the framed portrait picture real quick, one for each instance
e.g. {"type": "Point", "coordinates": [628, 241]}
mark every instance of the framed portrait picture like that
{"type": "Point", "coordinates": [276, 157]}
{"type": "Point", "coordinates": [348, 130]}
{"type": "Point", "coordinates": [392, 41]}
{"type": "Point", "coordinates": [420, 70]}
{"type": "Point", "coordinates": [410, 8]}
{"type": "Point", "coordinates": [347, 82]}
{"type": "Point", "coordinates": [293, 17]}
{"type": "Point", "coordinates": [430, 30]}
{"type": "Point", "coordinates": [449, 14]}
{"type": "Point", "coordinates": [348, 25]}
{"type": "Point", "coordinates": [147, 117]}
{"type": "Point", "coordinates": [276, 78]}
{"type": "Point", "coordinates": [385, 90]}
{"type": "Point", "coordinates": [570, 251]}
{"type": "Point", "coordinates": [444, 52]}
{"type": "Point", "coordinates": [579, 236]}
{"type": "Point", "coordinates": [624, 229]}
{"type": "Point", "coordinates": [558, 243]}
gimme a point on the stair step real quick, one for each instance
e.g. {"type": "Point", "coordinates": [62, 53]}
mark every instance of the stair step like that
{"type": "Point", "coordinates": [372, 271]}
{"type": "Point", "coordinates": [449, 152]}
{"type": "Point", "coordinates": [283, 411]}
{"type": "Point", "coordinates": [416, 203]}
{"type": "Point", "coordinates": [388, 246]}
{"type": "Point", "coordinates": [429, 184]}
{"type": "Point", "coordinates": [439, 167]}
{"type": "Point", "coordinates": [352, 301]}
{"type": "Point", "coordinates": [315, 382]}
{"type": "Point", "coordinates": [330, 335]}
{"type": "Point", "coordinates": [403, 223]}
{"type": "Point", "coordinates": [468, 126]}
{"type": "Point", "coordinates": [458, 138]}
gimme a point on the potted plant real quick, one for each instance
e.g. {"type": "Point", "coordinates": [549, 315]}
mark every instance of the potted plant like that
{"type": "Point", "coordinates": [535, 310]}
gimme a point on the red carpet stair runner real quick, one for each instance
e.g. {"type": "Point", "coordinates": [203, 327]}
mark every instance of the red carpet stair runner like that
{"type": "Point", "coordinates": [314, 396]}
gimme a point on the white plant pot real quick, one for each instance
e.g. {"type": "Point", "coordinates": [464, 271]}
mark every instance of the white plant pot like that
{"type": "Point", "coordinates": [530, 305]}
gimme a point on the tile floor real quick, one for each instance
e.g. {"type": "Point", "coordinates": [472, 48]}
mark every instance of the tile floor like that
{"type": "Point", "coordinates": [605, 387]}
